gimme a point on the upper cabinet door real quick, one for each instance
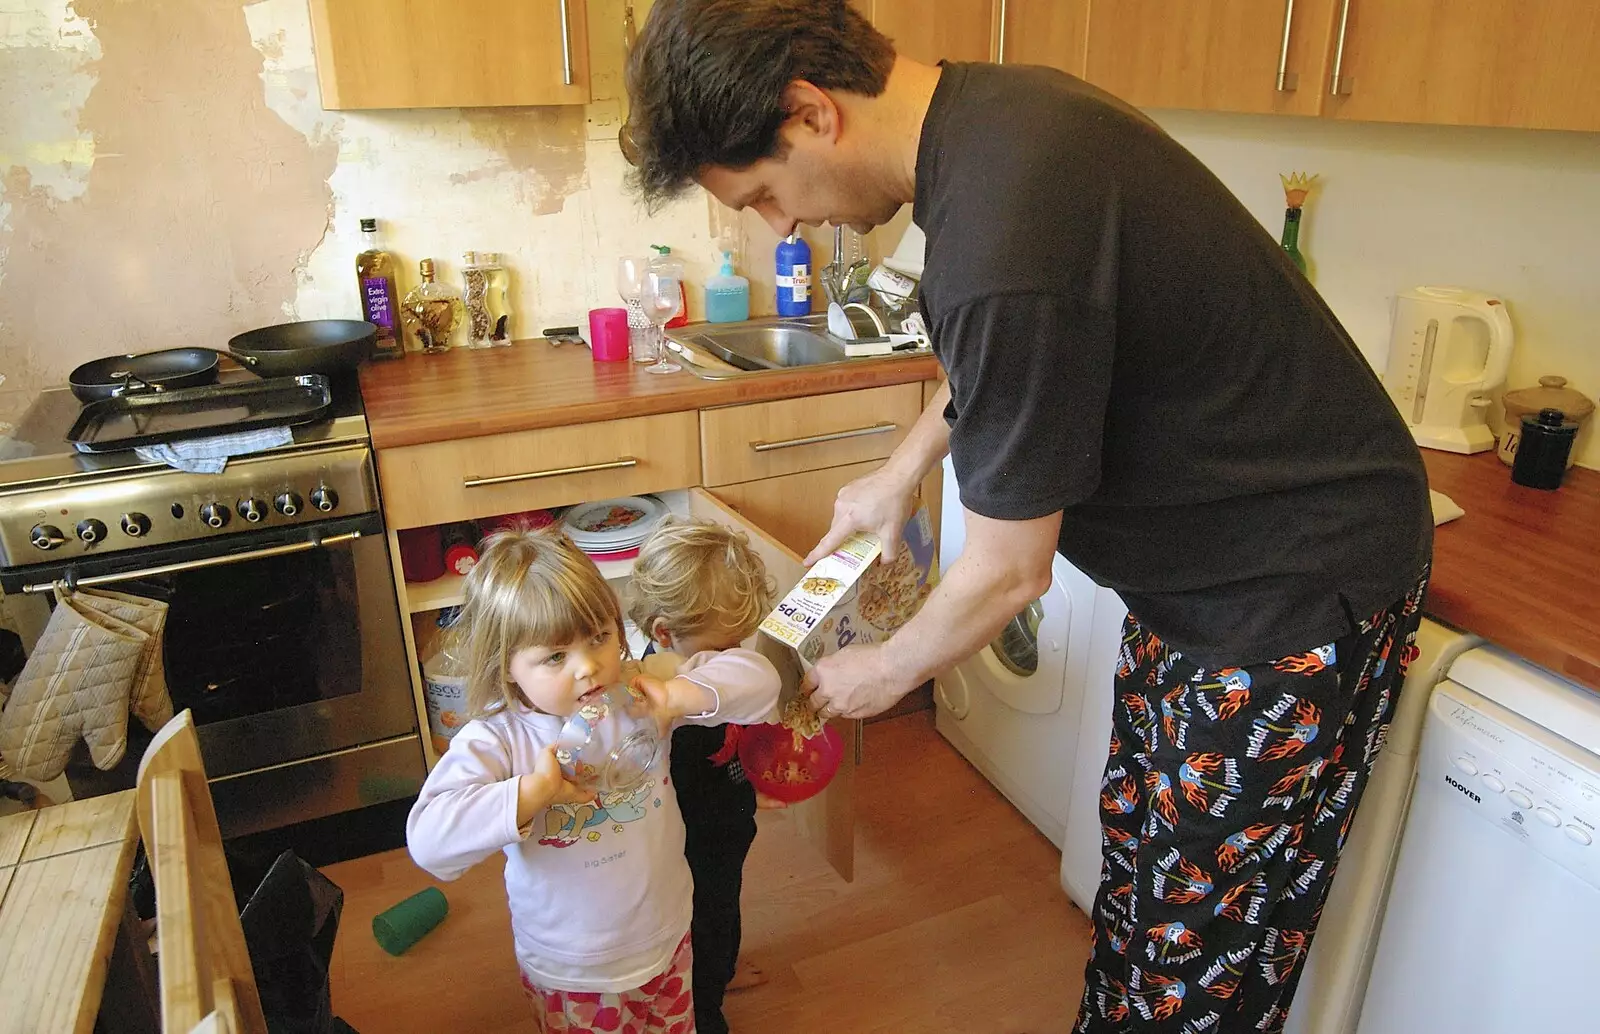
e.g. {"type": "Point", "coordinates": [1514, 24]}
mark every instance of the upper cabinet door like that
{"type": "Point", "coordinates": [936, 30]}
{"type": "Point", "coordinates": [1222, 55]}
{"type": "Point", "coordinates": [1043, 32]}
{"type": "Point", "coordinates": [466, 53]}
{"type": "Point", "coordinates": [1469, 62]}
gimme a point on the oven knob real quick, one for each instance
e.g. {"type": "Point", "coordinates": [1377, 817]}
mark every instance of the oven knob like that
{"type": "Point", "coordinates": [135, 525]}
{"type": "Point", "coordinates": [91, 531]}
{"type": "Point", "coordinates": [324, 498]}
{"type": "Point", "coordinates": [252, 510]}
{"type": "Point", "coordinates": [46, 536]}
{"type": "Point", "coordinates": [288, 504]}
{"type": "Point", "coordinates": [214, 514]}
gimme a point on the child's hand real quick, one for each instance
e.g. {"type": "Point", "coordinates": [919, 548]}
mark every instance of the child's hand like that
{"type": "Point", "coordinates": [546, 785]}
{"type": "Point", "coordinates": [668, 701]}
{"type": "Point", "coordinates": [765, 803]}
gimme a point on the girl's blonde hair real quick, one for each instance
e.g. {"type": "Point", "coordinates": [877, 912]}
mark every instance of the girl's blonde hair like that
{"type": "Point", "coordinates": [529, 588]}
{"type": "Point", "coordinates": [699, 578]}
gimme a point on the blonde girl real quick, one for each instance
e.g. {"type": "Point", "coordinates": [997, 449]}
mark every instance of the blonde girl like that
{"type": "Point", "coordinates": [599, 890]}
{"type": "Point", "coordinates": [698, 591]}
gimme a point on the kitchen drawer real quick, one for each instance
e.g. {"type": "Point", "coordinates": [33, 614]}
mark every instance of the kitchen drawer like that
{"type": "Point", "coordinates": [768, 439]}
{"type": "Point", "coordinates": [528, 470]}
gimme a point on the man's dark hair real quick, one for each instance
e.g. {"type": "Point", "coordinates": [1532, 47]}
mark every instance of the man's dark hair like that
{"type": "Point", "coordinates": [706, 80]}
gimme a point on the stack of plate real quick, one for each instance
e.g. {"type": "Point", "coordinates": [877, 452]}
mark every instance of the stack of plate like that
{"type": "Point", "coordinates": [613, 529]}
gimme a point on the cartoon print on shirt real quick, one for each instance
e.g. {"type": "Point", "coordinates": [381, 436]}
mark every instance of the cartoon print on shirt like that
{"type": "Point", "coordinates": [565, 823]}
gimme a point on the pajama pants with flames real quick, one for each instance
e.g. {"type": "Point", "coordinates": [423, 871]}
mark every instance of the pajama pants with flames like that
{"type": "Point", "coordinates": [1226, 801]}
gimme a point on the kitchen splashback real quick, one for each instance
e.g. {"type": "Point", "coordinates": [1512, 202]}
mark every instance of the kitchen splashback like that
{"type": "Point", "coordinates": [1513, 212]}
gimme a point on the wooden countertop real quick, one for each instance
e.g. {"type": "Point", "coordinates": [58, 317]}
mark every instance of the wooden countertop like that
{"type": "Point", "coordinates": [63, 882]}
{"type": "Point", "coordinates": [1522, 567]}
{"type": "Point", "coordinates": [465, 393]}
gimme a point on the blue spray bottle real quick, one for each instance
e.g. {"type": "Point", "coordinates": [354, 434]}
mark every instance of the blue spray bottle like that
{"type": "Point", "coordinates": [794, 276]}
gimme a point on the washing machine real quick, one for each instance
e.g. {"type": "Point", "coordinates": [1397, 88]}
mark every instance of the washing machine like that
{"type": "Point", "coordinates": [1334, 982]}
{"type": "Point", "coordinates": [1014, 709]}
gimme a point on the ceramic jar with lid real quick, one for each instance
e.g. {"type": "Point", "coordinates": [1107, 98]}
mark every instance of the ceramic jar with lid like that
{"type": "Point", "coordinates": [1552, 393]}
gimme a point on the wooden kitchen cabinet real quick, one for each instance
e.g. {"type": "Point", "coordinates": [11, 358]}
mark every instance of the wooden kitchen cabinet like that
{"type": "Point", "coordinates": [467, 53]}
{"type": "Point", "coordinates": [768, 439]}
{"type": "Point", "coordinates": [1470, 62]}
{"type": "Point", "coordinates": [1043, 32]}
{"type": "Point", "coordinates": [1222, 55]}
{"type": "Point", "coordinates": [936, 30]}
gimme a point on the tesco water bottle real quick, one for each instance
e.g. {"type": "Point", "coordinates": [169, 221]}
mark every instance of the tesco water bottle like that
{"type": "Point", "coordinates": [794, 277]}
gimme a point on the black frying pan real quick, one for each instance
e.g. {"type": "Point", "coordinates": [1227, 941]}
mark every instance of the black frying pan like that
{"type": "Point", "coordinates": [310, 346]}
{"type": "Point", "coordinates": [166, 370]}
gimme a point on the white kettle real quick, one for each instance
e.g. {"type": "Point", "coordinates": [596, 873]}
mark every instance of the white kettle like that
{"type": "Point", "coordinates": [1448, 349]}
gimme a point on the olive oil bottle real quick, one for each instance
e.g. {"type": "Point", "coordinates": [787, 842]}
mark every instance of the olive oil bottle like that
{"type": "Point", "coordinates": [380, 299]}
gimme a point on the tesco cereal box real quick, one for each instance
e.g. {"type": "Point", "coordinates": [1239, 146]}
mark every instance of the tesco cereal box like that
{"type": "Point", "coordinates": [848, 598]}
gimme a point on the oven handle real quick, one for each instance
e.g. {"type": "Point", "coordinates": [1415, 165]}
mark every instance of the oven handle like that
{"type": "Point", "coordinates": [193, 565]}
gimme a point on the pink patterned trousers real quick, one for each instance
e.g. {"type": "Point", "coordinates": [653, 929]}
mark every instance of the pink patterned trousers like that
{"type": "Point", "coordinates": [665, 1005]}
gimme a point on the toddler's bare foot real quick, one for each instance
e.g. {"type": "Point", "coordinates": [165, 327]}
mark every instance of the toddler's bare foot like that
{"type": "Point", "coordinates": [746, 975]}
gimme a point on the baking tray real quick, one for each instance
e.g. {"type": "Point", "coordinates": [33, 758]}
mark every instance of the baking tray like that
{"type": "Point", "coordinates": [131, 421]}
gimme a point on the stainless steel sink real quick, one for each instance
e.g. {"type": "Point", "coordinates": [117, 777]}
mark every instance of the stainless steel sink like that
{"type": "Point", "coordinates": [761, 345]}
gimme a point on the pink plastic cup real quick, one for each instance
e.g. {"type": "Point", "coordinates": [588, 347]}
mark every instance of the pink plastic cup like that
{"type": "Point", "coordinates": [608, 335]}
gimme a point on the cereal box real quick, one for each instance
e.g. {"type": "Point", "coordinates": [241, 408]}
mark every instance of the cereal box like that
{"type": "Point", "coordinates": [848, 598]}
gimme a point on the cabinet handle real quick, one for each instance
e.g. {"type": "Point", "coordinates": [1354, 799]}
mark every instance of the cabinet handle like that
{"type": "Point", "coordinates": [1000, 43]}
{"type": "Point", "coordinates": [566, 46]}
{"type": "Point", "coordinates": [818, 439]}
{"type": "Point", "coordinates": [1286, 82]}
{"type": "Point", "coordinates": [535, 475]}
{"type": "Point", "coordinates": [1340, 85]}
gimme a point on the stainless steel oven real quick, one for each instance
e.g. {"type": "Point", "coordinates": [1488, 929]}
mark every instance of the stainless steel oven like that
{"type": "Point", "coordinates": [283, 634]}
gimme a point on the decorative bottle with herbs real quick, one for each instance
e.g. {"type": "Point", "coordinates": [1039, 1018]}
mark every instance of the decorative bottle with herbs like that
{"type": "Point", "coordinates": [432, 311]}
{"type": "Point", "coordinates": [487, 300]}
{"type": "Point", "coordinates": [380, 300]}
{"type": "Point", "coordinates": [1295, 190]}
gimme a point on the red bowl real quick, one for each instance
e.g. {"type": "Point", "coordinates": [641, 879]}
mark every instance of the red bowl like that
{"type": "Point", "coordinates": [786, 766]}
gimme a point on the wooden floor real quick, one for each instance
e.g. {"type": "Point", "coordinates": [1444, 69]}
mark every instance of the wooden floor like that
{"type": "Point", "coordinates": [956, 921]}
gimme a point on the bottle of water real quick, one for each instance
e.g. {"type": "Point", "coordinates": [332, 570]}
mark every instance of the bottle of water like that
{"type": "Point", "coordinates": [444, 683]}
{"type": "Point", "coordinates": [794, 276]}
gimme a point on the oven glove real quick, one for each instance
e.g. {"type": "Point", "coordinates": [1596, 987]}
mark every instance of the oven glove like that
{"type": "Point", "coordinates": [100, 656]}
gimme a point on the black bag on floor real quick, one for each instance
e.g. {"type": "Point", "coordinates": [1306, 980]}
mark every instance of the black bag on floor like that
{"type": "Point", "coordinates": [289, 925]}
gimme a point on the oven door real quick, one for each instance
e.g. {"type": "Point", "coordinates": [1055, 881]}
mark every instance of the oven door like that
{"type": "Point", "coordinates": [286, 646]}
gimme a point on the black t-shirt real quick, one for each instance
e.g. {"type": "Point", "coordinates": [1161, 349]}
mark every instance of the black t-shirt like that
{"type": "Point", "coordinates": [1127, 345]}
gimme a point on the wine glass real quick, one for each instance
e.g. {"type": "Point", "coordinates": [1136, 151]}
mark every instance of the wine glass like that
{"type": "Point", "coordinates": [630, 284]}
{"type": "Point", "coordinates": [662, 299]}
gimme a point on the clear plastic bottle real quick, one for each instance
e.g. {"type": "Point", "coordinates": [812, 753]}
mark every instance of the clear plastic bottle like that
{"type": "Point", "coordinates": [444, 683]}
{"type": "Point", "coordinates": [727, 294]}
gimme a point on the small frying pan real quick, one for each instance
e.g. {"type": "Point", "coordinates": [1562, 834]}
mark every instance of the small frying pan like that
{"type": "Point", "coordinates": [309, 346]}
{"type": "Point", "coordinates": [166, 370]}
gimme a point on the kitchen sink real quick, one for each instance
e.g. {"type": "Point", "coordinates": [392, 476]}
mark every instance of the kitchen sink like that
{"type": "Point", "coordinates": [760, 345]}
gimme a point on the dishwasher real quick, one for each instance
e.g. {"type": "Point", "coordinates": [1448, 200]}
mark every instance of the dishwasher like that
{"type": "Point", "coordinates": [1491, 922]}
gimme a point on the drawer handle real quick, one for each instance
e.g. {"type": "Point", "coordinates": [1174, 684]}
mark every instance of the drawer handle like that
{"type": "Point", "coordinates": [535, 475]}
{"type": "Point", "coordinates": [818, 439]}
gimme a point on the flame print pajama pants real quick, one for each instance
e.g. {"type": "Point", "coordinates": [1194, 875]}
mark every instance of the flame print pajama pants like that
{"type": "Point", "coordinates": [1226, 800]}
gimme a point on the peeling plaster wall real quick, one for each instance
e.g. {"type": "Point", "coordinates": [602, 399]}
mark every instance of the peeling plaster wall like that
{"type": "Point", "coordinates": [168, 176]}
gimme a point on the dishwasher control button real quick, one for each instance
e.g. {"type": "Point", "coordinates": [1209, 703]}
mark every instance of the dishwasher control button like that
{"type": "Point", "coordinates": [1493, 783]}
{"type": "Point", "coordinates": [1466, 765]}
{"type": "Point", "coordinates": [1547, 816]}
{"type": "Point", "coordinates": [1579, 834]}
{"type": "Point", "coordinates": [1520, 799]}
